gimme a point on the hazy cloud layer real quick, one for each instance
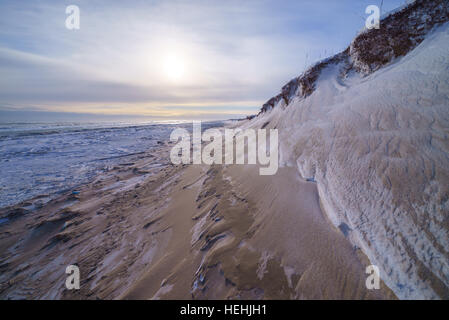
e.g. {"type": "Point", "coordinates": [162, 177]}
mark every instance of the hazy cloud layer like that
{"type": "Point", "coordinates": [234, 54]}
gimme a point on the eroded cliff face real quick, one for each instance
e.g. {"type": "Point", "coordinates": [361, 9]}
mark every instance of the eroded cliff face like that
{"type": "Point", "coordinates": [399, 33]}
{"type": "Point", "coordinates": [304, 85]}
{"type": "Point", "coordinates": [374, 134]}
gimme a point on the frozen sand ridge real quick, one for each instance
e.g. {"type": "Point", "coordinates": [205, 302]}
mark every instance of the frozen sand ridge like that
{"type": "Point", "coordinates": [371, 126]}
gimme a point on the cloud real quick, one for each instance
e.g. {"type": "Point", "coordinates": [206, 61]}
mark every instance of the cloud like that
{"type": "Point", "coordinates": [235, 53]}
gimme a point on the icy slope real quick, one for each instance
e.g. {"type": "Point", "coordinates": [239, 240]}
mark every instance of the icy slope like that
{"type": "Point", "coordinates": [378, 148]}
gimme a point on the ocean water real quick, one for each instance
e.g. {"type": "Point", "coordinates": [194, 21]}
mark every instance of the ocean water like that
{"type": "Point", "coordinates": [49, 158]}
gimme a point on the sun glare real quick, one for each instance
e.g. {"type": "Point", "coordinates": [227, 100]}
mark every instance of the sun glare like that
{"type": "Point", "coordinates": [174, 67]}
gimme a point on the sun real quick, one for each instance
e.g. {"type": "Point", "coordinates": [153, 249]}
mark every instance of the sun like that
{"type": "Point", "coordinates": [174, 67]}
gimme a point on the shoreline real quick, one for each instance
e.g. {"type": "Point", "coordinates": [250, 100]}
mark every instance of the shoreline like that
{"type": "Point", "coordinates": [141, 231]}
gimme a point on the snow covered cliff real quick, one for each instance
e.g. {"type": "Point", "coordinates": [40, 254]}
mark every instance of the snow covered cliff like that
{"type": "Point", "coordinates": [371, 126]}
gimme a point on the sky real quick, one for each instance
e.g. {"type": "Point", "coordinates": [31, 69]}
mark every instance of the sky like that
{"type": "Point", "coordinates": [165, 59]}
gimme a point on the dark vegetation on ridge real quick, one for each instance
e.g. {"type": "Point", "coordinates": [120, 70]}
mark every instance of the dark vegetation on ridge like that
{"type": "Point", "coordinates": [399, 33]}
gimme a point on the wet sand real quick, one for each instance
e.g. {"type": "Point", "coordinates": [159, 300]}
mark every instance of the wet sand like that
{"type": "Point", "coordinates": [148, 229]}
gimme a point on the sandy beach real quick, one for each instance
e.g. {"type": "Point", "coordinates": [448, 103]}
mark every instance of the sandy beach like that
{"type": "Point", "coordinates": [211, 150]}
{"type": "Point", "coordinates": [147, 229]}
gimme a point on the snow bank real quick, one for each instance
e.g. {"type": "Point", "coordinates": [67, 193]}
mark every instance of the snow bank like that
{"type": "Point", "coordinates": [378, 148]}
